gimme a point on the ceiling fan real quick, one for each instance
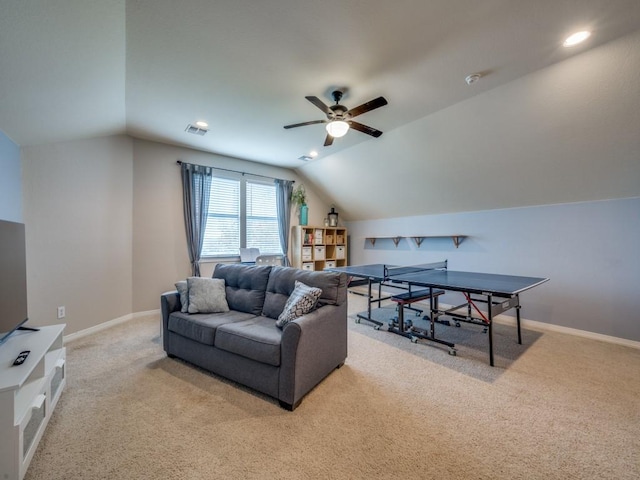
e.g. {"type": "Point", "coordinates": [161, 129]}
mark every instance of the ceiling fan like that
{"type": "Point", "coordinates": [339, 117]}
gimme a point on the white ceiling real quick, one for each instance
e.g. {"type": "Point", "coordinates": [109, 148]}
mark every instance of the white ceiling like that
{"type": "Point", "coordinates": [73, 69]}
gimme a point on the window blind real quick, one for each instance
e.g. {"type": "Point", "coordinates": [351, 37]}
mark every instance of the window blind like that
{"type": "Point", "coordinates": [223, 233]}
{"type": "Point", "coordinates": [262, 218]}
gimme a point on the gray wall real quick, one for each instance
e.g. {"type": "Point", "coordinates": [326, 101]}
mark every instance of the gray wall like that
{"type": "Point", "coordinates": [77, 208]}
{"type": "Point", "coordinates": [10, 180]}
{"type": "Point", "coordinates": [105, 237]}
{"type": "Point", "coordinates": [589, 251]}
{"type": "Point", "coordinates": [160, 255]}
{"type": "Point", "coordinates": [105, 232]}
{"type": "Point", "coordinates": [563, 134]}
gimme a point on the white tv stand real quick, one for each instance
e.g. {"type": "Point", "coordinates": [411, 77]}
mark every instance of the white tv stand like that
{"type": "Point", "coordinates": [28, 394]}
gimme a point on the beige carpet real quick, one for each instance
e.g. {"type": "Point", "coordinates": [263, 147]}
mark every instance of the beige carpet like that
{"type": "Point", "coordinates": [557, 407]}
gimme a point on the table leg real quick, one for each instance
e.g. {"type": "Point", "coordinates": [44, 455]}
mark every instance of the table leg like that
{"type": "Point", "coordinates": [433, 308]}
{"type": "Point", "coordinates": [369, 302]}
{"type": "Point", "coordinates": [398, 327]}
{"type": "Point", "coordinates": [518, 319]}
{"type": "Point", "coordinates": [490, 317]}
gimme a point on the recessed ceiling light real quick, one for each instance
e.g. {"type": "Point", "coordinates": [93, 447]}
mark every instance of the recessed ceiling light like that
{"type": "Point", "coordinates": [202, 124]}
{"type": "Point", "coordinates": [576, 38]}
{"type": "Point", "coordinates": [473, 78]}
{"type": "Point", "coordinates": [313, 154]}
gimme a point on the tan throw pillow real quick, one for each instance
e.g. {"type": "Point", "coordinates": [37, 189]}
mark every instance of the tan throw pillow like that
{"type": "Point", "coordinates": [207, 295]}
{"type": "Point", "coordinates": [301, 301]}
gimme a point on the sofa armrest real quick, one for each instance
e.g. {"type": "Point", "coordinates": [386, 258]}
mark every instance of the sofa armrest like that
{"type": "Point", "coordinates": [169, 303]}
{"type": "Point", "coordinates": [312, 347]}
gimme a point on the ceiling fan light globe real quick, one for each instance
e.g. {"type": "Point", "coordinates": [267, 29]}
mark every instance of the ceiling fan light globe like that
{"type": "Point", "coordinates": [337, 128]}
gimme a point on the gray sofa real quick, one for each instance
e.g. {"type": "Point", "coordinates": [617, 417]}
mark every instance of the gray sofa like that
{"type": "Point", "coordinates": [245, 345]}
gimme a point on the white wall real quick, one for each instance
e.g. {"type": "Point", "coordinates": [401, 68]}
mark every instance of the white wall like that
{"type": "Point", "coordinates": [588, 250]}
{"type": "Point", "coordinates": [78, 216]}
{"type": "Point", "coordinates": [10, 180]}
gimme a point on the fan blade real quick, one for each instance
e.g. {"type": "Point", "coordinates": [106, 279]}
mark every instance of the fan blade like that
{"type": "Point", "coordinates": [367, 107]}
{"type": "Point", "coordinates": [318, 103]}
{"type": "Point", "coordinates": [313, 122]}
{"type": "Point", "coordinates": [365, 129]}
{"type": "Point", "coordinates": [328, 141]}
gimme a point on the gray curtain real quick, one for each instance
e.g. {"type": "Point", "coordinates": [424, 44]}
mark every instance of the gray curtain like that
{"type": "Point", "coordinates": [283, 203]}
{"type": "Point", "coordinates": [196, 187]}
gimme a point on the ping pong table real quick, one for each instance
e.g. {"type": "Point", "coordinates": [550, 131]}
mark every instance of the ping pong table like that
{"type": "Point", "coordinates": [498, 292]}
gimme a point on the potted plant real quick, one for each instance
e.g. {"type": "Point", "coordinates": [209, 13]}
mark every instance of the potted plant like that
{"type": "Point", "coordinates": [299, 199]}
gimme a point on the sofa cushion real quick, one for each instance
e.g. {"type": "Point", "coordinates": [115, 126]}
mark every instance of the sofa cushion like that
{"type": "Point", "coordinates": [207, 295]}
{"type": "Point", "coordinates": [257, 338]}
{"type": "Point", "coordinates": [201, 327]}
{"type": "Point", "coordinates": [282, 283]}
{"type": "Point", "coordinates": [301, 301]}
{"type": "Point", "coordinates": [245, 286]}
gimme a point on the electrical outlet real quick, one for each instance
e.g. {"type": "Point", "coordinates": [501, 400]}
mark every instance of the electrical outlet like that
{"type": "Point", "coordinates": [61, 312]}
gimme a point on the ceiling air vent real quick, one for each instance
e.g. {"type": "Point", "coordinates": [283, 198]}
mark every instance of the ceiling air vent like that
{"type": "Point", "coordinates": [195, 130]}
{"type": "Point", "coordinates": [305, 158]}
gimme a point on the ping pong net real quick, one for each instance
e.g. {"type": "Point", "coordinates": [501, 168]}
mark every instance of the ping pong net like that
{"type": "Point", "coordinates": [392, 271]}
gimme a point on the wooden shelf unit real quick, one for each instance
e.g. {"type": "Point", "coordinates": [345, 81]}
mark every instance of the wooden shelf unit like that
{"type": "Point", "coordinates": [315, 248]}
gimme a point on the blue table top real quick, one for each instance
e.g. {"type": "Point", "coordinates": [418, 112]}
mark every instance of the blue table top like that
{"type": "Point", "coordinates": [472, 282]}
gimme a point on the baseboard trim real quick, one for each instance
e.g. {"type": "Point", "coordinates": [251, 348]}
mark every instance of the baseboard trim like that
{"type": "Point", "coordinates": [548, 327]}
{"type": "Point", "coordinates": [500, 319]}
{"type": "Point", "coordinates": [108, 324]}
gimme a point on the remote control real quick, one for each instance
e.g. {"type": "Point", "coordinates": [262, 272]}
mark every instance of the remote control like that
{"type": "Point", "coordinates": [22, 357]}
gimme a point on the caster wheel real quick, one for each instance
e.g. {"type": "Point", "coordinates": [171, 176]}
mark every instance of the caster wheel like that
{"type": "Point", "coordinates": [458, 324]}
{"type": "Point", "coordinates": [377, 327]}
{"type": "Point", "coordinates": [484, 330]}
{"type": "Point", "coordinates": [453, 352]}
{"type": "Point", "coordinates": [357, 320]}
{"type": "Point", "coordinates": [414, 340]}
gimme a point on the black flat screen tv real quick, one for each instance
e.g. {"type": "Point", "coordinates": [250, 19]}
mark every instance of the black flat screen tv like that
{"type": "Point", "coordinates": [13, 278]}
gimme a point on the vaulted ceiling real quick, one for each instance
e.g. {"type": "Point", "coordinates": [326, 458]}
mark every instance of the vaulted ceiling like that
{"type": "Point", "coordinates": [72, 69]}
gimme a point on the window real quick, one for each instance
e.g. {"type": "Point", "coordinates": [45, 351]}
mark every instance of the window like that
{"type": "Point", "coordinates": [242, 213]}
{"type": "Point", "coordinates": [222, 235]}
{"type": "Point", "coordinates": [262, 218]}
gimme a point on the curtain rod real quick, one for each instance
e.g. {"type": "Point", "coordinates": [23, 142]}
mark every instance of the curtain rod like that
{"type": "Point", "coordinates": [179, 162]}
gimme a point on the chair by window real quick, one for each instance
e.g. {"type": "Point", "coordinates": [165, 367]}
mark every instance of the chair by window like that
{"type": "Point", "coordinates": [249, 255]}
{"type": "Point", "coordinates": [270, 260]}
